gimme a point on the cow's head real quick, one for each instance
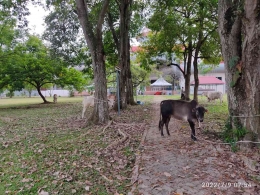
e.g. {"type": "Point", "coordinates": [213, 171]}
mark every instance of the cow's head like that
{"type": "Point", "coordinates": [111, 103]}
{"type": "Point", "coordinates": [199, 110]}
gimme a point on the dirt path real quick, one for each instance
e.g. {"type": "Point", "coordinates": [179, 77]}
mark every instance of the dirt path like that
{"type": "Point", "coordinates": [175, 165]}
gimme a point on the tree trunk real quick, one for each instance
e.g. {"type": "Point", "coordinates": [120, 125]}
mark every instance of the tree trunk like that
{"type": "Point", "coordinates": [112, 29]}
{"type": "Point", "coordinates": [129, 83]}
{"type": "Point", "coordinates": [95, 45]}
{"type": "Point", "coordinates": [188, 72]}
{"type": "Point", "coordinates": [42, 96]}
{"type": "Point", "coordinates": [124, 53]}
{"type": "Point", "coordinates": [122, 87]}
{"type": "Point", "coordinates": [30, 93]}
{"type": "Point", "coordinates": [100, 113]}
{"type": "Point", "coordinates": [124, 48]}
{"type": "Point", "coordinates": [201, 39]}
{"type": "Point", "coordinates": [130, 91]}
{"type": "Point", "coordinates": [196, 77]}
{"type": "Point", "coordinates": [240, 40]}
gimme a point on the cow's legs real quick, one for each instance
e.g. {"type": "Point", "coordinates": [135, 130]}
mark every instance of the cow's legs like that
{"type": "Point", "coordinates": [161, 123]}
{"type": "Point", "coordinates": [83, 111]}
{"type": "Point", "coordinates": [192, 126]}
{"type": "Point", "coordinates": [161, 127]}
{"type": "Point", "coordinates": [199, 124]}
{"type": "Point", "coordinates": [167, 124]}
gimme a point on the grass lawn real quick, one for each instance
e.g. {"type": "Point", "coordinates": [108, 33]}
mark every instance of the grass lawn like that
{"type": "Point", "coordinates": [49, 148]}
{"type": "Point", "coordinates": [17, 101]}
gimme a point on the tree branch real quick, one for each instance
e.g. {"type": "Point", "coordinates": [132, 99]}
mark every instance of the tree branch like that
{"type": "Point", "coordinates": [110, 23]}
{"type": "Point", "coordinates": [138, 83]}
{"type": "Point", "coordinates": [206, 36]}
{"type": "Point", "coordinates": [82, 11]}
{"type": "Point", "coordinates": [178, 66]}
{"type": "Point", "coordinates": [101, 17]}
{"type": "Point", "coordinates": [30, 83]}
{"type": "Point", "coordinates": [183, 13]}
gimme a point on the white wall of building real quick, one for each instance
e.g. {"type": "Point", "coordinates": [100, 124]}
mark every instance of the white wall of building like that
{"type": "Point", "coordinates": [62, 93]}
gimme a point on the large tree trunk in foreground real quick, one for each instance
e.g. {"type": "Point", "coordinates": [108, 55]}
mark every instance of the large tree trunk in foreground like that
{"type": "Point", "coordinates": [95, 45]}
{"type": "Point", "coordinates": [239, 27]}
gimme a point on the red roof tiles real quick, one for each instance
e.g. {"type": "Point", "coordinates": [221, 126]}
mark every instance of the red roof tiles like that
{"type": "Point", "coordinates": [207, 80]}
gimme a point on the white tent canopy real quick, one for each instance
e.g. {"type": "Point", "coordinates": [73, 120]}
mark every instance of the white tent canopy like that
{"type": "Point", "coordinates": [161, 82]}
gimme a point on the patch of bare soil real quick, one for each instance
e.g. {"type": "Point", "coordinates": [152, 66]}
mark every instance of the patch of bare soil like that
{"type": "Point", "coordinates": [175, 165]}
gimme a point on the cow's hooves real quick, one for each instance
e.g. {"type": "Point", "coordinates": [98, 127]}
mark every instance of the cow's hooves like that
{"type": "Point", "coordinates": [194, 138]}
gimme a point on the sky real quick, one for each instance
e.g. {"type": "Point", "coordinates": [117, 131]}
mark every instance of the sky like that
{"type": "Point", "coordinates": [37, 25]}
{"type": "Point", "coordinates": [36, 19]}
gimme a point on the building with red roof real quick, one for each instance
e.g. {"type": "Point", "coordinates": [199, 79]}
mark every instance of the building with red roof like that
{"type": "Point", "coordinates": [208, 80]}
{"type": "Point", "coordinates": [213, 80]}
{"type": "Point", "coordinates": [209, 83]}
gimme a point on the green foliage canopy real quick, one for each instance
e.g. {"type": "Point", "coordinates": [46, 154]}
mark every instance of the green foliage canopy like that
{"type": "Point", "coordinates": [175, 23]}
{"type": "Point", "coordinates": [33, 64]}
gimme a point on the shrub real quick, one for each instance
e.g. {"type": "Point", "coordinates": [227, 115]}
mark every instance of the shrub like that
{"type": "Point", "coordinates": [232, 135]}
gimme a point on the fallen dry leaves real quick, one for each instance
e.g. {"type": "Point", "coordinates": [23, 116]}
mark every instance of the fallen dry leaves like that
{"type": "Point", "coordinates": [50, 150]}
{"type": "Point", "coordinates": [177, 165]}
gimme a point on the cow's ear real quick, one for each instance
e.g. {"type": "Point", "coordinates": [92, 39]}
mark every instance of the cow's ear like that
{"type": "Point", "coordinates": [193, 110]}
{"type": "Point", "coordinates": [206, 110]}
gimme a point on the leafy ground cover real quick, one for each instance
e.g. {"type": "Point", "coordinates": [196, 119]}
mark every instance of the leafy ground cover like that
{"type": "Point", "coordinates": [177, 165]}
{"type": "Point", "coordinates": [48, 148]}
